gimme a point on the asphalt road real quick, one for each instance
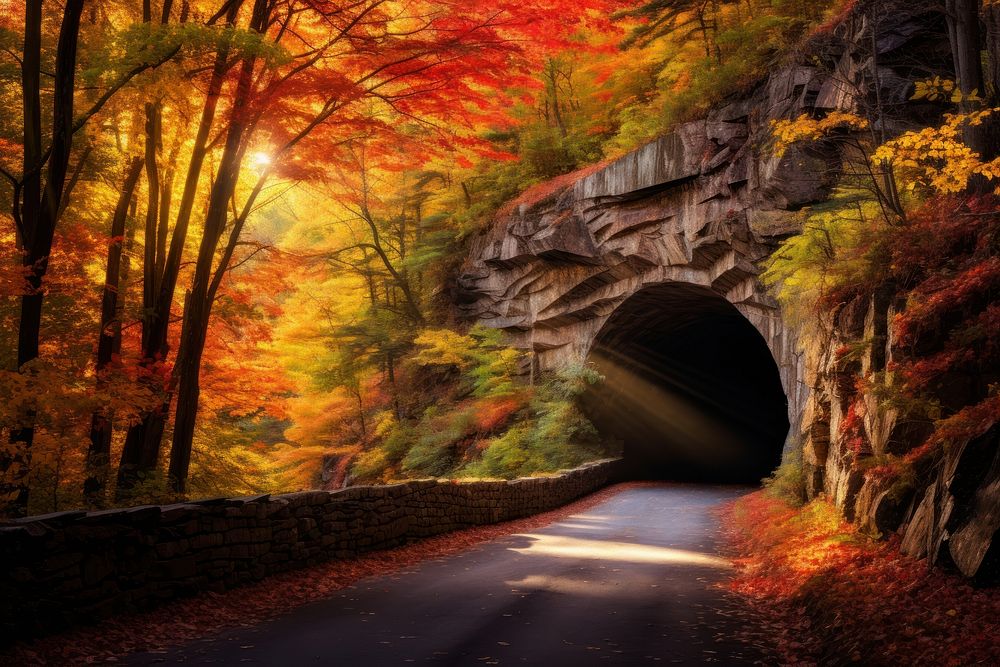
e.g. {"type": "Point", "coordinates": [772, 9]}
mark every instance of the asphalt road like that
{"type": "Point", "coordinates": [629, 582]}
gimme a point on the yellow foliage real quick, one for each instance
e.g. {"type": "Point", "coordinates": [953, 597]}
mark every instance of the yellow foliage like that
{"type": "Point", "coordinates": [322, 420]}
{"type": "Point", "coordinates": [937, 157]}
{"type": "Point", "coordinates": [443, 347]}
{"type": "Point", "coordinates": [298, 467]}
{"type": "Point", "coordinates": [807, 128]}
{"type": "Point", "coordinates": [939, 89]}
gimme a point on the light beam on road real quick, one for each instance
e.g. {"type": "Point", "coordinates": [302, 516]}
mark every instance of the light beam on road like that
{"type": "Point", "coordinates": [575, 547]}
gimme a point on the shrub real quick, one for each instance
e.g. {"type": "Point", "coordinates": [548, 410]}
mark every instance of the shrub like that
{"type": "Point", "coordinates": [507, 456]}
{"type": "Point", "coordinates": [555, 436]}
{"type": "Point", "coordinates": [788, 481]}
{"type": "Point", "coordinates": [371, 466]}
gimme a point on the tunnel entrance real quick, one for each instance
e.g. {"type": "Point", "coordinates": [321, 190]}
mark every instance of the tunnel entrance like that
{"type": "Point", "coordinates": [691, 388]}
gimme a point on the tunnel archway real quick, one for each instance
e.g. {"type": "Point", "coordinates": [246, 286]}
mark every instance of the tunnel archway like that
{"type": "Point", "coordinates": [691, 388]}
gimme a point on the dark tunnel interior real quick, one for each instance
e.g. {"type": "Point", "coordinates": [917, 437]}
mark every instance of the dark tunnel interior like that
{"type": "Point", "coordinates": [691, 388]}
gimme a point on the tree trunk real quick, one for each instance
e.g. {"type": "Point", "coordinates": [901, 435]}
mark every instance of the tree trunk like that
{"type": "Point", "coordinates": [110, 333]}
{"type": "Point", "coordinates": [81, 163]}
{"type": "Point", "coordinates": [965, 37]}
{"type": "Point", "coordinates": [141, 452]}
{"type": "Point", "coordinates": [152, 148]}
{"type": "Point", "coordinates": [38, 217]}
{"type": "Point", "coordinates": [551, 75]}
{"type": "Point", "coordinates": [188, 392]}
{"type": "Point", "coordinates": [199, 307]}
{"type": "Point", "coordinates": [390, 368]}
{"type": "Point", "coordinates": [991, 18]}
{"type": "Point", "coordinates": [16, 460]}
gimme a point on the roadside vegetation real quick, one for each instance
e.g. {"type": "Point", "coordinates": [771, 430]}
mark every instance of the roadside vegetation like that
{"type": "Point", "coordinates": [825, 593]}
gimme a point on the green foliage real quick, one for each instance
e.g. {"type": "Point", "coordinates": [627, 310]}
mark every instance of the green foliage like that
{"type": "Point", "coordinates": [788, 481]}
{"type": "Point", "coordinates": [489, 187]}
{"type": "Point", "coordinates": [231, 456]}
{"type": "Point", "coordinates": [508, 456]}
{"type": "Point", "coordinates": [488, 365]}
{"type": "Point", "coordinates": [444, 347]}
{"type": "Point", "coordinates": [488, 369]}
{"type": "Point", "coordinates": [151, 489]}
{"type": "Point", "coordinates": [494, 364]}
{"type": "Point", "coordinates": [555, 436]}
{"type": "Point", "coordinates": [373, 332]}
{"type": "Point", "coordinates": [547, 151]}
{"type": "Point", "coordinates": [434, 246]}
{"type": "Point", "coordinates": [435, 450]}
{"type": "Point", "coordinates": [493, 426]}
{"type": "Point", "coordinates": [114, 55]}
{"type": "Point", "coordinates": [370, 464]}
{"type": "Point", "coordinates": [839, 249]}
{"type": "Point", "coordinates": [570, 382]}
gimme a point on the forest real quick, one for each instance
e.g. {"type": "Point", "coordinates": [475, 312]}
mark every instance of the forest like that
{"type": "Point", "coordinates": [231, 228]}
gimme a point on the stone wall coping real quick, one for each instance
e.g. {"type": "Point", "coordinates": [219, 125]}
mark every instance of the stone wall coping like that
{"type": "Point", "coordinates": [296, 498]}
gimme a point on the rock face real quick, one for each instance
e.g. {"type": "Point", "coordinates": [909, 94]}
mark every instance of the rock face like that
{"type": "Point", "coordinates": [704, 206]}
{"type": "Point", "coordinates": [951, 512]}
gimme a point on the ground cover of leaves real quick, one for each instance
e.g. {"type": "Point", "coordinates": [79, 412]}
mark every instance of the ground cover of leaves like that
{"type": "Point", "coordinates": [825, 594]}
{"type": "Point", "coordinates": [210, 613]}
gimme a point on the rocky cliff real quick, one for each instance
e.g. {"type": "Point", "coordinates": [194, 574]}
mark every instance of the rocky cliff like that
{"type": "Point", "coordinates": [704, 206]}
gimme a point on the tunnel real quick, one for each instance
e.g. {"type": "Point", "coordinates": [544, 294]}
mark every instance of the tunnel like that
{"type": "Point", "coordinates": [690, 388]}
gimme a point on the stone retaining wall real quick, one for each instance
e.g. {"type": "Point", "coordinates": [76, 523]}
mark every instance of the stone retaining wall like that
{"type": "Point", "coordinates": [60, 569]}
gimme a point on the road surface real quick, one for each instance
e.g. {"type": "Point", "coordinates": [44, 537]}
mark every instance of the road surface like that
{"type": "Point", "coordinates": [630, 581]}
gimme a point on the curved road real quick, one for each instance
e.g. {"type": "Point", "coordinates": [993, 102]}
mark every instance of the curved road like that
{"type": "Point", "coordinates": [630, 581]}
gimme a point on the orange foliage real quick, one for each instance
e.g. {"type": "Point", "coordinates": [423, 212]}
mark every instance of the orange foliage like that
{"type": "Point", "coordinates": [542, 191]}
{"type": "Point", "coordinates": [825, 593]}
{"type": "Point", "coordinates": [493, 413]}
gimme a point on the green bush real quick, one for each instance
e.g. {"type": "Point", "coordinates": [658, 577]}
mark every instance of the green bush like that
{"type": "Point", "coordinates": [435, 452]}
{"type": "Point", "coordinates": [788, 481]}
{"type": "Point", "coordinates": [549, 434]}
{"type": "Point", "coordinates": [507, 456]}
{"type": "Point", "coordinates": [555, 436]}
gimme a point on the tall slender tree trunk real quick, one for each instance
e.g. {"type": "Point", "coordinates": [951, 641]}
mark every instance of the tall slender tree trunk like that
{"type": "Point", "coordinates": [991, 83]}
{"type": "Point", "coordinates": [194, 331]}
{"type": "Point", "coordinates": [965, 37]}
{"type": "Point", "coordinates": [81, 164]}
{"type": "Point", "coordinates": [109, 336]}
{"type": "Point", "coordinates": [140, 454]}
{"type": "Point", "coordinates": [552, 76]}
{"type": "Point", "coordinates": [39, 210]}
{"type": "Point", "coordinates": [150, 281]}
{"type": "Point", "coordinates": [991, 17]}
{"type": "Point", "coordinates": [390, 368]}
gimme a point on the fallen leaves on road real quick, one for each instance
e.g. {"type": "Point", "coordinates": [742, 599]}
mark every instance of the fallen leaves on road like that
{"type": "Point", "coordinates": [210, 613]}
{"type": "Point", "coordinates": [826, 594]}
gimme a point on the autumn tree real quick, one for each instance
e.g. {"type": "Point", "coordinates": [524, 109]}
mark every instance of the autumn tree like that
{"type": "Point", "coordinates": [39, 191]}
{"type": "Point", "coordinates": [432, 62]}
{"type": "Point", "coordinates": [110, 335]}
